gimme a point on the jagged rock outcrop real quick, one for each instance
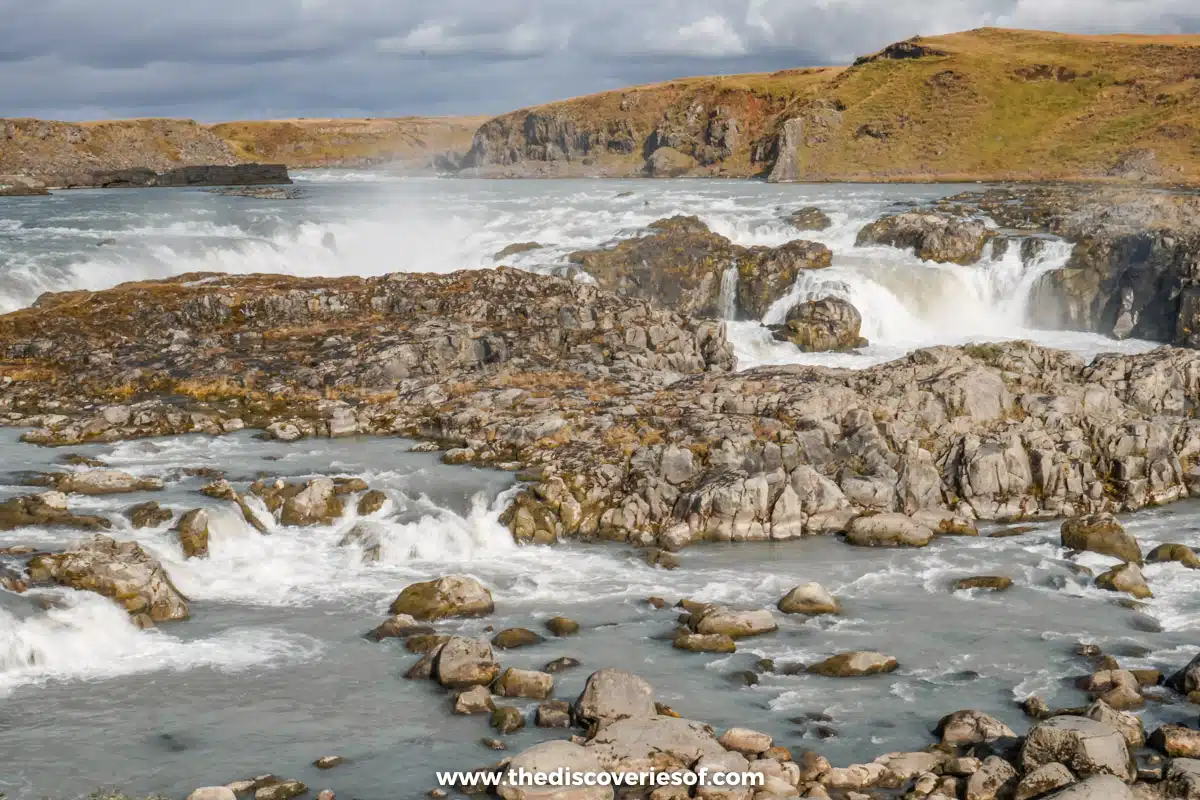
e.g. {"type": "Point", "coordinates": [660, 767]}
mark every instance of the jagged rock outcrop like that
{"type": "Point", "coordinates": [680, 264]}
{"type": "Point", "coordinates": [821, 325]}
{"type": "Point", "coordinates": [193, 175]}
{"type": "Point", "coordinates": [933, 236]}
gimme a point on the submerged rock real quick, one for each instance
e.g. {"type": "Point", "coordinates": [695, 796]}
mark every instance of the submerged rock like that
{"type": "Point", "coordinates": [451, 596]}
{"type": "Point", "coordinates": [994, 583]}
{"type": "Point", "coordinates": [822, 325]}
{"type": "Point", "coordinates": [101, 481]}
{"type": "Point", "coordinates": [854, 664]}
{"type": "Point", "coordinates": [122, 571]}
{"type": "Point", "coordinates": [809, 218]}
{"type": "Point", "coordinates": [513, 638]}
{"type": "Point", "coordinates": [148, 515]}
{"type": "Point", "coordinates": [1174, 552]}
{"type": "Point", "coordinates": [515, 249]}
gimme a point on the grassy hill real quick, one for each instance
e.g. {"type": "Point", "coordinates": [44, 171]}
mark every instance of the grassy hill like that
{"type": "Point", "coordinates": [988, 104]}
{"type": "Point", "coordinates": [53, 151]}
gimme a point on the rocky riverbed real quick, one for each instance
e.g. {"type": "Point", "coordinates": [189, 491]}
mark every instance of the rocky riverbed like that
{"type": "Point", "coordinates": [626, 452]}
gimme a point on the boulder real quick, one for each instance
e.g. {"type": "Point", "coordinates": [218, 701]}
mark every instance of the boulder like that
{"type": "Point", "coordinates": [451, 596]}
{"type": "Point", "coordinates": [933, 236]}
{"type": "Point", "coordinates": [102, 481]}
{"type": "Point", "coordinates": [554, 714]}
{"type": "Point", "coordinates": [515, 248]}
{"type": "Point", "coordinates": [1176, 741]}
{"type": "Point", "coordinates": [461, 663]}
{"type": "Point", "coordinates": [476, 700]}
{"type": "Point", "coordinates": [512, 638]}
{"type": "Point", "coordinates": [766, 274]}
{"type": "Point", "coordinates": [524, 683]}
{"type": "Point", "coordinates": [148, 515]}
{"type": "Point", "coordinates": [1097, 787]}
{"type": "Point", "coordinates": [1128, 724]}
{"type": "Point", "coordinates": [371, 502]}
{"type": "Point", "coordinates": [317, 503]}
{"type": "Point", "coordinates": [745, 741]}
{"type": "Point", "coordinates": [703, 642]}
{"type": "Point", "coordinates": [809, 218]}
{"type": "Point", "coordinates": [193, 533]}
{"type": "Point", "coordinates": [507, 719]}
{"type": "Point", "coordinates": [666, 743]}
{"type": "Point", "coordinates": [1118, 688]}
{"type": "Point", "coordinates": [1043, 780]}
{"type": "Point", "coordinates": [1126, 578]}
{"type": "Point", "coordinates": [887, 530]}
{"type": "Point", "coordinates": [667, 162]}
{"type": "Point", "coordinates": [547, 758]}
{"type": "Point", "coordinates": [828, 324]}
{"type": "Point", "coordinates": [1186, 680]}
{"type": "Point", "coordinates": [1083, 745]}
{"type": "Point", "coordinates": [612, 694]}
{"type": "Point", "coordinates": [47, 508]}
{"type": "Point", "coordinates": [854, 664]}
{"type": "Point", "coordinates": [734, 624]}
{"type": "Point", "coordinates": [995, 778]}
{"type": "Point", "coordinates": [562, 626]}
{"type": "Point", "coordinates": [811, 599]}
{"type": "Point", "coordinates": [971, 727]}
{"type": "Point", "coordinates": [1174, 552]}
{"type": "Point", "coordinates": [1100, 533]}
{"type": "Point", "coordinates": [1182, 779]}
{"type": "Point", "coordinates": [122, 571]}
{"type": "Point", "coordinates": [367, 538]}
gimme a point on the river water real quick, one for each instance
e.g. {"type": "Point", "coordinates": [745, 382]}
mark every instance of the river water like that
{"type": "Point", "coordinates": [272, 671]}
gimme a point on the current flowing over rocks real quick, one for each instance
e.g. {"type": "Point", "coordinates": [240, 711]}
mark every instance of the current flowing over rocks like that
{"type": "Point", "coordinates": [625, 420]}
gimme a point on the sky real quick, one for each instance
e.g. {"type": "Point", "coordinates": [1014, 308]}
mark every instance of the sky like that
{"type": "Point", "coordinates": [218, 60]}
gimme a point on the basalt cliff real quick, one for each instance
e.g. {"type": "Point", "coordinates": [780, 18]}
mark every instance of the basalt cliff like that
{"type": "Point", "coordinates": [987, 104]}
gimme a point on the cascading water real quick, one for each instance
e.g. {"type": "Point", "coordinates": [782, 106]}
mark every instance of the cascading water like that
{"type": "Point", "coordinates": [729, 292]}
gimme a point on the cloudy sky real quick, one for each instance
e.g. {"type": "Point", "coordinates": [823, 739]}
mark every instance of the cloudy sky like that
{"type": "Point", "coordinates": [239, 59]}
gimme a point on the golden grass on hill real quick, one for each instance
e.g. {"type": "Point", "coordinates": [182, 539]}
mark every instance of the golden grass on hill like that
{"type": "Point", "coordinates": [988, 104]}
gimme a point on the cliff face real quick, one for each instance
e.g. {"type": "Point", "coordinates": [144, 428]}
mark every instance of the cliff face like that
{"type": "Point", "coordinates": [988, 104]}
{"type": "Point", "coordinates": [69, 153]}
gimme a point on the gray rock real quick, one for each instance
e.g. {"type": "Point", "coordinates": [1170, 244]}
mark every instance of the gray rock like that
{"type": "Point", "coordinates": [548, 757]}
{"type": "Point", "coordinates": [1083, 745]}
{"type": "Point", "coordinates": [1097, 787]}
{"type": "Point", "coordinates": [612, 694]}
{"type": "Point", "coordinates": [888, 530]}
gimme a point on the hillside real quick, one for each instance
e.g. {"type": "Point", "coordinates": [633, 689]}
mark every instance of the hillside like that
{"type": "Point", "coordinates": [988, 104]}
{"type": "Point", "coordinates": [64, 153]}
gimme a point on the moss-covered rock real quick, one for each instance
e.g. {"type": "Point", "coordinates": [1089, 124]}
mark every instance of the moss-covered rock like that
{"type": "Point", "coordinates": [450, 596]}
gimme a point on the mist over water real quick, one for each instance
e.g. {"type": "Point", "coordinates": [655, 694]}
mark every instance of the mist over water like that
{"type": "Point", "coordinates": [272, 670]}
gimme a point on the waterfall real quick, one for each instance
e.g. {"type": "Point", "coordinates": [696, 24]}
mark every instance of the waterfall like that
{"type": "Point", "coordinates": [729, 292]}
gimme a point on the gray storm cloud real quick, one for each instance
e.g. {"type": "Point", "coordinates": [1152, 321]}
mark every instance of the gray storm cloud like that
{"type": "Point", "coordinates": [226, 59]}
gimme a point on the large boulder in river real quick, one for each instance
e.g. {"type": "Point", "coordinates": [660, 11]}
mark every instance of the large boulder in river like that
{"type": "Point", "coordinates": [47, 508]}
{"type": "Point", "coordinates": [1100, 533]}
{"type": "Point", "coordinates": [1180, 553]}
{"type": "Point", "coordinates": [193, 533]}
{"type": "Point", "coordinates": [933, 236]}
{"type": "Point", "coordinates": [811, 599]}
{"type": "Point", "coordinates": [734, 624]}
{"type": "Point", "coordinates": [548, 758]}
{"type": "Point", "coordinates": [888, 530]}
{"type": "Point", "coordinates": [122, 571]}
{"type": "Point", "coordinates": [612, 694]}
{"type": "Point", "coordinates": [765, 274]}
{"type": "Point", "coordinates": [450, 596]}
{"type": "Point", "coordinates": [1085, 746]}
{"type": "Point", "coordinates": [317, 503]}
{"type": "Point", "coordinates": [822, 325]}
{"type": "Point", "coordinates": [461, 663]}
{"type": "Point", "coordinates": [667, 162]}
{"type": "Point", "coordinates": [1126, 578]}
